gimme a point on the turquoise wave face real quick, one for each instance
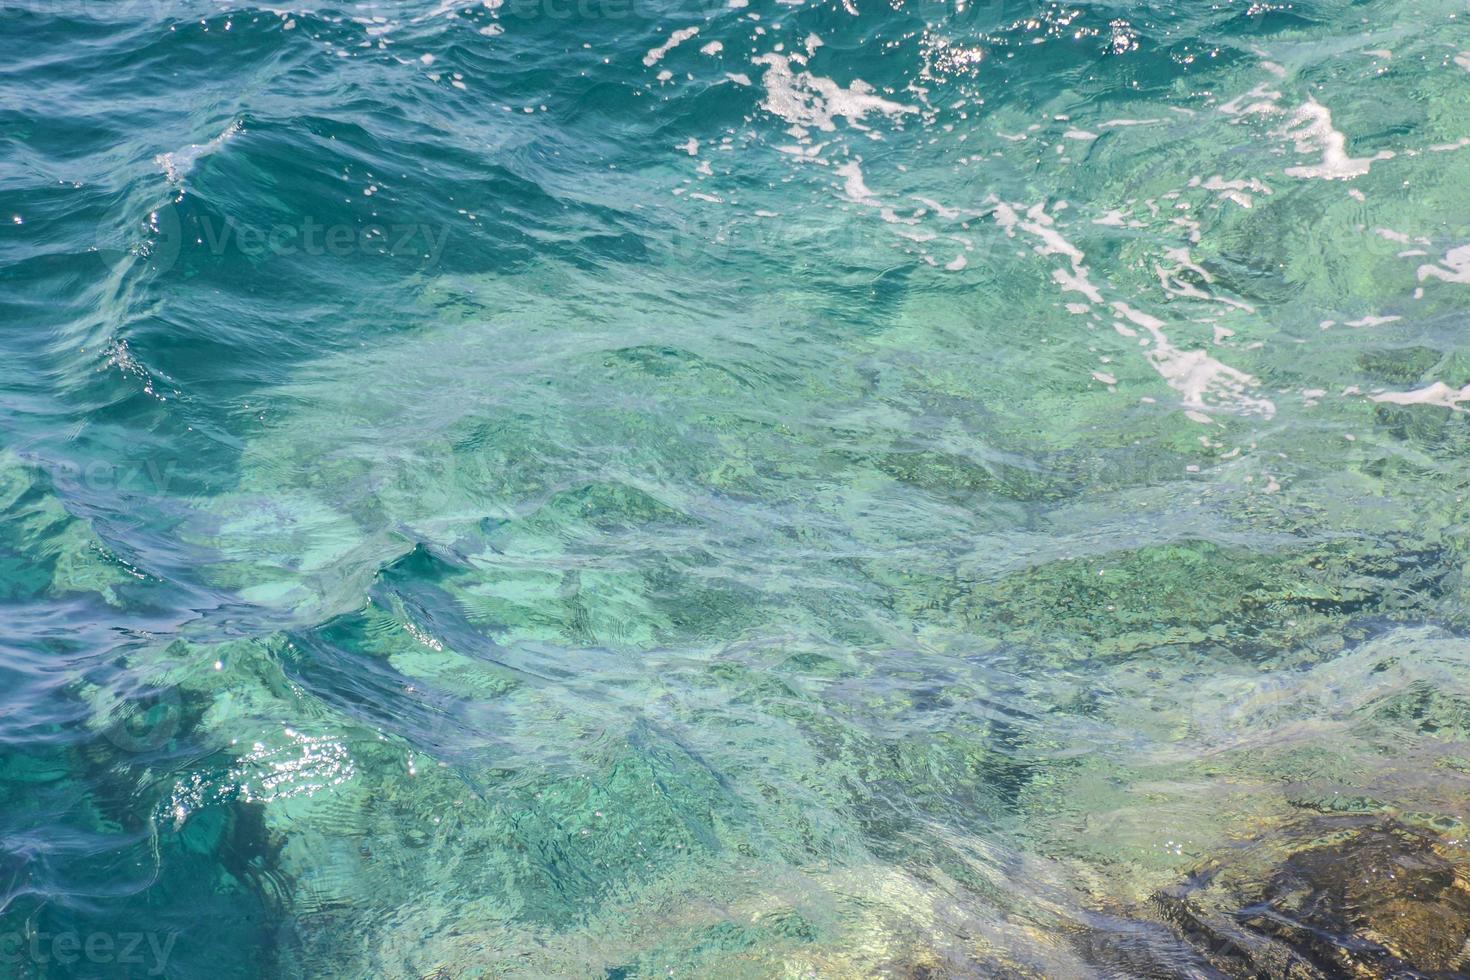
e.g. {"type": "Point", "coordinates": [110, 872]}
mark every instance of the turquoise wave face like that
{"type": "Point", "coordinates": [739, 488]}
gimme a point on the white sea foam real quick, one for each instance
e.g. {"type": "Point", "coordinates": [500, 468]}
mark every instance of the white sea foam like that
{"type": "Point", "coordinates": [655, 55]}
{"type": "Point", "coordinates": [179, 163]}
{"type": "Point", "coordinates": [855, 188]}
{"type": "Point", "coordinates": [808, 100]}
{"type": "Point", "coordinates": [1311, 128]}
{"type": "Point", "coordinates": [1233, 190]}
{"type": "Point", "coordinates": [1203, 382]}
{"type": "Point", "coordinates": [1454, 267]}
{"type": "Point", "coordinates": [1438, 393]}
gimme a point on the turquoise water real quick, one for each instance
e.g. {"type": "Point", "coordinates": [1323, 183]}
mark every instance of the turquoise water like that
{"type": "Point", "coordinates": [620, 488]}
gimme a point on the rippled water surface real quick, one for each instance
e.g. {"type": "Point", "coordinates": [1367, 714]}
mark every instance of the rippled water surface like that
{"type": "Point", "coordinates": [630, 488]}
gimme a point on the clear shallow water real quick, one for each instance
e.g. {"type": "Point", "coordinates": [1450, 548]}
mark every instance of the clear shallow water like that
{"type": "Point", "coordinates": [858, 490]}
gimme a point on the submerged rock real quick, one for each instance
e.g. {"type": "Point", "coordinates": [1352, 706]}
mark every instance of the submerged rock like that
{"type": "Point", "coordinates": [1365, 898]}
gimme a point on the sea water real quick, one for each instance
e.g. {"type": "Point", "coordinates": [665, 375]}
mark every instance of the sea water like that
{"type": "Point", "coordinates": [734, 488]}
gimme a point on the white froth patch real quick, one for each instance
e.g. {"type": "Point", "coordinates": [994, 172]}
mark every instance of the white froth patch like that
{"type": "Point", "coordinates": [1439, 394]}
{"type": "Point", "coordinates": [1073, 282]}
{"type": "Point", "coordinates": [1202, 381]}
{"type": "Point", "coordinates": [712, 48]}
{"type": "Point", "coordinates": [1311, 129]}
{"type": "Point", "coordinates": [1114, 219]}
{"type": "Point", "coordinates": [1039, 223]}
{"type": "Point", "coordinates": [1265, 102]}
{"type": "Point", "coordinates": [808, 100]}
{"type": "Point", "coordinates": [1174, 285]}
{"type": "Point", "coordinates": [1233, 190]}
{"type": "Point", "coordinates": [1195, 374]}
{"type": "Point", "coordinates": [655, 55]}
{"type": "Point", "coordinates": [945, 212]}
{"type": "Point", "coordinates": [176, 165]}
{"type": "Point", "coordinates": [853, 184]}
{"type": "Point", "coordinates": [1454, 267]}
